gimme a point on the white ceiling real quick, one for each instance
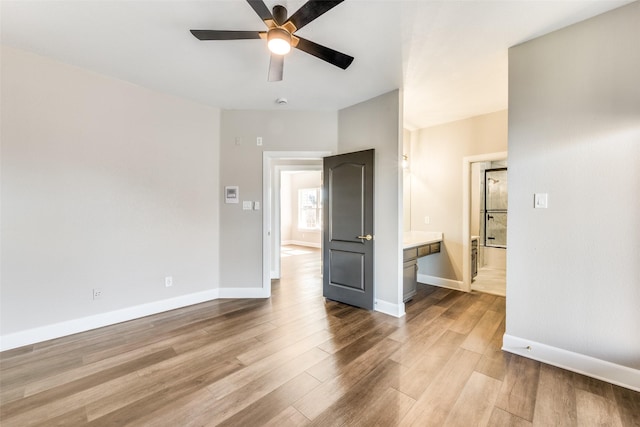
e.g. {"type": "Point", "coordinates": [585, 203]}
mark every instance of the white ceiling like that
{"type": "Point", "coordinates": [450, 57]}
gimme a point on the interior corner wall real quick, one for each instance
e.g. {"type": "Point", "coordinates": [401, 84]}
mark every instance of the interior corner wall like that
{"type": "Point", "coordinates": [241, 164]}
{"type": "Point", "coordinates": [105, 185]}
{"type": "Point", "coordinates": [436, 162]}
{"type": "Point", "coordinates": [377, 124]}
{"type": "Point", "coordinates": [574, 133]}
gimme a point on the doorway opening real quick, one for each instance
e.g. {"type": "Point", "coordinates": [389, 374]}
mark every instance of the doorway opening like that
{"type": "Point", "coordinates": [489, 212]}
{"type": "Point", "coordinates": [300, 222]}
{"type": "Point", "coordinates": [484, 264]}
{"type": "Point", "coordinates": [273, 164]}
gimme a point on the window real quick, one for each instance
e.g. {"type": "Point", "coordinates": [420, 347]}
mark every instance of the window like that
{"type": "Point", "coordinates": [309, 208]}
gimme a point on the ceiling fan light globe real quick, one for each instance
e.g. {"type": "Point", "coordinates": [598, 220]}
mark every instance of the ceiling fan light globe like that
{"type": "Point", "coordinates": [279, 41]}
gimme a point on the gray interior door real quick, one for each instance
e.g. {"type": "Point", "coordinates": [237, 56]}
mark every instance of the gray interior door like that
{"type": "Point", "coordinates": [348, 228]}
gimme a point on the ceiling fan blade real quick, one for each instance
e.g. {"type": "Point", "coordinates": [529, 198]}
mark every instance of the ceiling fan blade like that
{"type": "Point", "coordinates": [331, 56]}
{"type": "Point", "coordinates": [261, 9]}
{"type": "Point", "coordinates": [310, 11]}
{"type": "Point", "coordinates": [276, 68]}
{"type": "Point", "coordinates": [225, 34]}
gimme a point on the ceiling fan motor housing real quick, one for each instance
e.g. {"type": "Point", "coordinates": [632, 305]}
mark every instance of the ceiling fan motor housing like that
{"type": "Point", "coordinates": [279, 41]}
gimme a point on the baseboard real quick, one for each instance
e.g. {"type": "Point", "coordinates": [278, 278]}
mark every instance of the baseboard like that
{"type": "Point", "coordinates": [302, 243]}
{"type": "Point", "coordinates": [70, 327]}
{"type": "Point", "coordinates": [395, 310]}
{"type": "Point", "coordinates": [439, 281]}
{"type": "Point", "coordinates": [576, 362]}
{"type": "Point", "coordinates": [244, 293]}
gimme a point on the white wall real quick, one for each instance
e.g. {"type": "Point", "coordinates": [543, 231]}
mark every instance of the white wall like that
{"type": "Point", "coordinates": [286, 207]}
{"type": "Point", "coordinates": [104, 185]}
{"type": "Point", "coordinates": [241, 231]}
{"type": "Point", "coordinates": [377, 123]}
{"type": "Point", "coordinates": [436, 183]}
{"type": "Point", "coordinates": [477, 175]}
{"type": "Point", "coordinates": [573, 276]}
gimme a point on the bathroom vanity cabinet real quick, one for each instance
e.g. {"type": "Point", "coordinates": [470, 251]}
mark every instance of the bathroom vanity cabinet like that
{"type": "Point", "coordinates": [474, 256]}
{"type": "Point", "coordinates": [416, 245]}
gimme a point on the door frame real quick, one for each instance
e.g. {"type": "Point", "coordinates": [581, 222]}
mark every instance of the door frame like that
{"type": "Point", "coordinates": [268, 188]}
{"type": "Point", "coordinates": [466, 211]}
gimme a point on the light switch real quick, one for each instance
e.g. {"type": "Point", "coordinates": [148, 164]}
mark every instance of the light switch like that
{"type": "Point", "coordinates": [540, 200]}
{"type": "Point", "coordinates": [256, 206]}
{"type": "Point", "coordinates": [247, 205]}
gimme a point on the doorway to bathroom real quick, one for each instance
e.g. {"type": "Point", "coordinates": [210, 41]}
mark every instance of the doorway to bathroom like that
{"type": "Point", "coordinates": [485, 220]}
{"type": "Point", "coordinates": [488, 226]}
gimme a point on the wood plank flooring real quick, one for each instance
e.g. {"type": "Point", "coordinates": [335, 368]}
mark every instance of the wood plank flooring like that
{"type": "Point", "coordinates": [298, 360]}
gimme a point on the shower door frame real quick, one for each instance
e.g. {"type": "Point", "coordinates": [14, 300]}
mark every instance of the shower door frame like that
{"type": "Point", "coordinates": [486, 212]}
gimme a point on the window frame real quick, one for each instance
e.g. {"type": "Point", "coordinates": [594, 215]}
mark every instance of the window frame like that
{"type": "Point", "coordinates": [317, 207]}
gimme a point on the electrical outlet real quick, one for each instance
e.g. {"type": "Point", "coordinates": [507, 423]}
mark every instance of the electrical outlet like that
{"type": "Point", "coordinates": [259, 141]}
{"type": "Point", "coordinates": [168, 281]}
{"type": "Point", "coordinates": [97, 293]}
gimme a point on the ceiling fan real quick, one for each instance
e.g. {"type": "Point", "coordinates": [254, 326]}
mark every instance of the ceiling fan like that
{"type": "Point", "coordinates": [281, 36]}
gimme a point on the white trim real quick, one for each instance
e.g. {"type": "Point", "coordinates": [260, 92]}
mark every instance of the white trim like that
{"type": "Point", "coordinates": [69, 327]}
{"type": "Point", "coordinates": [576, 362]}
{"type": "Point", "coordinates": [386, 307]}
{"type": "Point", "coordinates": [442, 282]}
{"type": "Point", "coordinates": [243, 293]}
{"type": "Point", "coordinates": [466, 211]}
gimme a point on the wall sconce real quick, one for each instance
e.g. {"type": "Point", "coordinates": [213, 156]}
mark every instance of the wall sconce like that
{"type": "Point", "coordinates": [405, 162]}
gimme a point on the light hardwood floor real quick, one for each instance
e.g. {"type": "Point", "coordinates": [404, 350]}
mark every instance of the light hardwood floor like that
{"type": "Point", "coordinates": [297, 359]}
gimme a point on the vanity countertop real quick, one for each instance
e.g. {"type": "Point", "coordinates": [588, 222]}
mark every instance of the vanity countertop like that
{"type": "Point", "coordinates": [412, 239]}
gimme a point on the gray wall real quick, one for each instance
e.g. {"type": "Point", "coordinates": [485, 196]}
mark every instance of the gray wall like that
{"type": "Point", "coordinates": [573, 270]}
{"type": "Point", "coordinates": [377, 123]}
{"type": "Point", "coordinates": [104, 185]}
{"type": "Point", "coordinates": [436, 182]}
{"type": "Point", "coordinates": [241, 231]}
{"type": "Point", "coordinates": [406, 182]}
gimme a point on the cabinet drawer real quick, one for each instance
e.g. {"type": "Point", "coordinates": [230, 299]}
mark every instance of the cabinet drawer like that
{"type": "Point", "coordinates": [435, 247]}
{"type": "Point", "coordinates": [409, 254]}
{"type": "Point", "coordinates": [424, 250]}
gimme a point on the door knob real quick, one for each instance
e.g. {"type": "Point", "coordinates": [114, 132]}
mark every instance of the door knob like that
{"type": "Point", "coordinates": [367, 237]}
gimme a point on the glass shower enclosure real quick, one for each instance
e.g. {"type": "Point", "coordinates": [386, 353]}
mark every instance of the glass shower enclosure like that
{"type": "Point", "coordinates": [495, 208]}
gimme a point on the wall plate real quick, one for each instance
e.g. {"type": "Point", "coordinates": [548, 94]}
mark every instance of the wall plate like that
{"type": "Point", "coordinates": [540, 200]}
